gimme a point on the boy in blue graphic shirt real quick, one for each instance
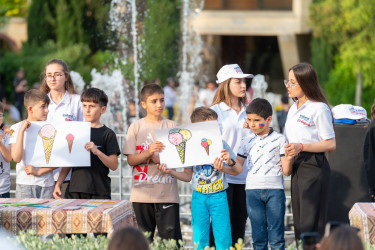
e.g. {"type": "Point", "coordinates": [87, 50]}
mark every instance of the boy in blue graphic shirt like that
{"type": "Point", "coordinates": [264, 151]}
{"type": "Point", "coordinates": [209, 197]}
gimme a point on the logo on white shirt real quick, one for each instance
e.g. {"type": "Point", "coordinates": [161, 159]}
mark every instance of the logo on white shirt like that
{"type": "Point", "coordinates": [304, 120]}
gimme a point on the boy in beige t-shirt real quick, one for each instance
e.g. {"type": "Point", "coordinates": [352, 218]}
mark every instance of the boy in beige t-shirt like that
{"type": "Point", "coordinates": [154, 194]}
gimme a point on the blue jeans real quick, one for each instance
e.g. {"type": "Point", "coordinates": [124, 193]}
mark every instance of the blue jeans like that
{"type": "Point", "coordinates": [5, 195]}
{"type": "Point", "coordinates": [266, 210]}
{"type": "Point", "coordinates": [214, 206]}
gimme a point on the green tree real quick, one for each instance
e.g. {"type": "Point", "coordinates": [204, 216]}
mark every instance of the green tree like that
{"type": "Point", "coordinates": [161, 39]}
{"type": "Point", "coordinates": [345, 30]}
{"type": "Point", "coordinates": [39, 22]}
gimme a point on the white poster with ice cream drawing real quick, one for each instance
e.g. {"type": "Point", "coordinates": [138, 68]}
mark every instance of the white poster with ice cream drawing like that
{"type": "Point", "coordinates": [189, 145]}
{"type": "Point", "coordinates": [57, 144]}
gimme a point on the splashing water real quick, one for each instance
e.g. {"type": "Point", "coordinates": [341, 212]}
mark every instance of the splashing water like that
{"type": "Point", "coordinates": [191, 59]}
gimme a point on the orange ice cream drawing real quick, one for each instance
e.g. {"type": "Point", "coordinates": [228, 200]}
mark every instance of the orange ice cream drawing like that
{"type": "Point", "coordinates": [206, 145]}
{"type": "Point", "coordinates": [70, 138]}
{"type": "Point", "coordinates": [47, 133]}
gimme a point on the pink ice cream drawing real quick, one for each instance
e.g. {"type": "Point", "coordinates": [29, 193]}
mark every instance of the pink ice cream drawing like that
{"type": "Point", "coordinates": [179, 137]}
{"type": "Point", "coordinates": [47, 133]}
{"type": "Point", "coordinates": [70, 138]}
{"type": "Point", "coordinates": [206, 143]}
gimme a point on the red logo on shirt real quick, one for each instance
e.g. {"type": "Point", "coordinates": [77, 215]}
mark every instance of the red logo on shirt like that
{"type": "Point", "coordinates": [142, 172]}
{"type": "Point", "coordinates": [68, 120]}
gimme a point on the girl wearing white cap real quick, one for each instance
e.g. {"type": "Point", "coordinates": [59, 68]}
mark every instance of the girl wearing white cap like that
{"type": "Point", "coordinates": [229, 103]}
{"type": "Point", "coordinates": [309, 132]}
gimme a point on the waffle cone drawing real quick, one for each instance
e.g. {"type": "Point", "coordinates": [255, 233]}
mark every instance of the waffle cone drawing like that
{"type": "Point", "coordinates": [181, 151]}
{"type": "Point", "coordinates": [47, 145]}
{"type": "Point", "coordinates": [207, 150]}
{"type": "Point", "coordinates": [70, 145]}
{"type": "Point", "coordinates": [47, 133]}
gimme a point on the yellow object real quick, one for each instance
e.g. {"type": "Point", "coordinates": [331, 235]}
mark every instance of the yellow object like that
{"type": "Point", "coordinates": [181, 151]}
{"type": "Point", "coordinates": [47, 145]}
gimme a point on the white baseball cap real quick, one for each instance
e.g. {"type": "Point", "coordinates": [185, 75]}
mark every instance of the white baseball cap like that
{"type": "Point", "coordinates": [348, 111]}
{"type": "Point", "coordinates": [231, 71]}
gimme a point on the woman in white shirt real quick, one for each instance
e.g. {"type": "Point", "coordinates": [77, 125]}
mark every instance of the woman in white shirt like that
{"type": "Point", "coordinates": [309, 132]}
{"type": "Point", "coordinates": [229, 104]}
{"type": "Point", "coordinates": [65, 104]}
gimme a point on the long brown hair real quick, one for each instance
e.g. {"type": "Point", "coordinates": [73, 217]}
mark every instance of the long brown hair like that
{"type": "Point", "coordinates": [223, 94]}
{"type": "Point", "coordinates": [308, 81]}
{"type": "Point", "coordinates": [68, 83]}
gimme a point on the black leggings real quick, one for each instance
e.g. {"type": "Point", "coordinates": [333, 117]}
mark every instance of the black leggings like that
{"type": "Point", "coordinates": [310, 184]}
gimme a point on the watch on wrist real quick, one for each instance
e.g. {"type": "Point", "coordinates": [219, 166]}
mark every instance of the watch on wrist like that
{"type": "Point", "coordinates": [233, 163]}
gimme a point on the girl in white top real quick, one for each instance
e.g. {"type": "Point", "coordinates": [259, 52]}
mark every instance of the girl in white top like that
{"type": "Point", "coordinates": [229, 104]}
{"type": "Point", "coordinates": [65, 104]}
{"type": "Point", "coordinates": [309, 132]}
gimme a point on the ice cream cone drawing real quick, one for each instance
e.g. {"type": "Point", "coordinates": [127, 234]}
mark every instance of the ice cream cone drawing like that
{"type": "Point", "coordinates": [48, 133]}
{"type": "Point", "coordinates": [70, 138]}
{"type": "Point", "coordinates": [206, 145]}
{"type": "Point", "coordinates": [179, 137]}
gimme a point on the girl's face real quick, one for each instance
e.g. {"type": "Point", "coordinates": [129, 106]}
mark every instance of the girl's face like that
{"type": "Point", "coordinates": [55, 77]}
{"type": "Point", "coordinates": [293, 87]}
{"type": "Point", "coordinates": [237, 87]}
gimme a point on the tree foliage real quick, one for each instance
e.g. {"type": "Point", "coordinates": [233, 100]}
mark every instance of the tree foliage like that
{"type": "Point", "coordinates": [70, 22]}
{"type": "Point", "coordinates": [344, 44]}
{"type": "Point", "coordinates": [161, 39]}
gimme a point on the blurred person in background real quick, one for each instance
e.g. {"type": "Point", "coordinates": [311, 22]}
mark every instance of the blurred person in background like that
{"type": "Point", "coordinates": [207, 95]}
{"type": "Point", "coordinates": [20, 87]}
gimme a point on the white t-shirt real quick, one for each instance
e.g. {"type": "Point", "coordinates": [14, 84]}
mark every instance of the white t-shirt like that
{"type": "Point", "coordinates": [69, 109]}
{"type": "Point", "coordinates": [4, 168]}
{"type": "Point", "coordinates": [22, 178]}
{"type": "Point", "coordinates": [263, 155]}
{"type": "Point", "coordinates": [207, 96]}
{"type": "Point", "coordinates": [232, 131]}
{"type": "Point", "coordinates": [169, 96]}
{"type": "Point", "coordinates": [311, 123]}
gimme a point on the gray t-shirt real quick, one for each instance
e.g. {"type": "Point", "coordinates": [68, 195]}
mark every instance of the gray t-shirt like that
{"type": "Point", "coordinates": [208, 180]}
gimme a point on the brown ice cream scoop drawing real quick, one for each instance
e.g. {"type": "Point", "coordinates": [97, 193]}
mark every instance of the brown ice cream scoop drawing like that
{"type": "Point", "coordinates": [48, 133]}
{"type": "Point", "coordinates": [70, 138]}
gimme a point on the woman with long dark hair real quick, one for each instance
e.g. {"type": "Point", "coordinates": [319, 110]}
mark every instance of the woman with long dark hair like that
{"type": "Point", "coordinates": [309, 132]}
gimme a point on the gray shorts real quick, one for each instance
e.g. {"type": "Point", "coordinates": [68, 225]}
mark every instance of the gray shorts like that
{"type": "Point", "coordinates": [34, 191]}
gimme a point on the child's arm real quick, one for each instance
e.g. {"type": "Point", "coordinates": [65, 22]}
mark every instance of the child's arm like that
{"type": "Point", "coordinates": [57, 191]}
{"type": "Point", "coordinates": [16, 149]}
{"type": "Point", "coordinates": [286, 163]}
{"type": "Point", "coordinates": [5, 150]}
{"type": "Point", "coordinates": [137, 159]}
{"type": "Point", "coordinates": [110, 161]}
{"type": "Point", "coordinates": [30, 170]}
{"type": "Point", "coordinates": [232, 170]}
{"type": "Point", "coordinates": [182, 176]}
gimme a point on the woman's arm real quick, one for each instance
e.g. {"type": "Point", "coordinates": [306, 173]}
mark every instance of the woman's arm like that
{"type": "Point", "coordinates": [294, 149]}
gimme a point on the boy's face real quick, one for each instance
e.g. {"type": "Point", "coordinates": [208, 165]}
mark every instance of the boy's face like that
{"type": "Point", "coordinates": [258, 124]}
{"type": "Point", "coordinates": [38, 112]}
{"type": "Point", "coordinates": [92, 111]}
{"type": "Point", "coordinates": [154, 104]}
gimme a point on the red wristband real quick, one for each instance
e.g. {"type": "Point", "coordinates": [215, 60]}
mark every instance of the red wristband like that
{"type": "Point", "coordinates": [301, 147]}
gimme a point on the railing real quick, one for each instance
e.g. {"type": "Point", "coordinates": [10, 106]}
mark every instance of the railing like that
{"type": "Point", "coordinates": [121, 189]}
